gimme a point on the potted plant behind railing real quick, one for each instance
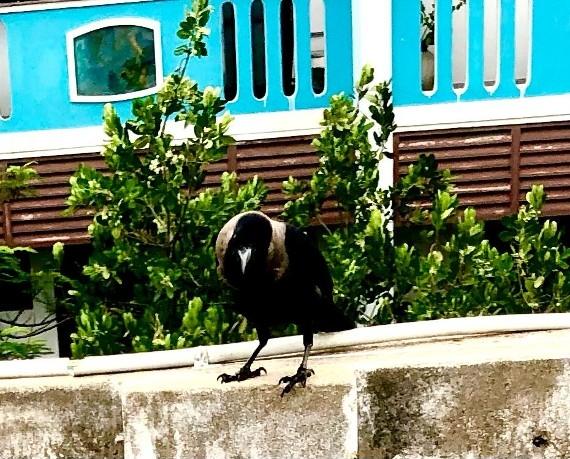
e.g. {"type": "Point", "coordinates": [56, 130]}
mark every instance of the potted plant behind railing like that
{"type": "Point", "coordinates": [428, 40]}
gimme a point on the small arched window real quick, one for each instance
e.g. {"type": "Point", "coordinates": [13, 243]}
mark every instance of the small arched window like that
{"type": "Point", "coordinates": [114, 59]}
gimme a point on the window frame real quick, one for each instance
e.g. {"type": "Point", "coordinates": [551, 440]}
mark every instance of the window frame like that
{"type": "Point", "coordinates": [102, 24]}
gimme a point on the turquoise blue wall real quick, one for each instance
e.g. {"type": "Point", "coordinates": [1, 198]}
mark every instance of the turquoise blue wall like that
{"type": "Point", "coordinates": [38, 59]}
{"type": "Point", "coordinates": [38, 62]}
{"type": "Point", "coordinates": [551, 43]}
{"type": "Point", "coordinates": [549, 65]}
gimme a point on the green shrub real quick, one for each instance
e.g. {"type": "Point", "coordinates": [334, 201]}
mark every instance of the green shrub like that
{"type": "Point", "coordinates": [359, 254]}
{"type": "Point", "coordinates": [402, 253]}
{"type": "Point", "coordinates": [438, 263]}
{"type": "Point", "coordinates": [15, 182]}
{"type": "Point", "coordinates": [540, 260]}
{"type": "Point", "coordinates": [15, 344]}
{"type": "Point", "coordinates": [462, 274]}
{"type": "Point", "coordinates": [151, 282]}
{"type": "Point", "coordinates": [16, 330]}
{"type": "Point", "coordinates": [22, 287]}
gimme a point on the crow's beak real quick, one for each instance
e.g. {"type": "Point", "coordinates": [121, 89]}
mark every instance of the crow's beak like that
{"type": "Point", "coordinates": [244, 255]}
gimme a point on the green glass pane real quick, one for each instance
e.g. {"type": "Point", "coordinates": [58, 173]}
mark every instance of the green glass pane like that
{"type": "Point", "coordinates": [115, 60]}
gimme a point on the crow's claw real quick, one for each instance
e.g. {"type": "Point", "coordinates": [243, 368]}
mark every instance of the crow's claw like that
{"type": "Point", "coordinates": [243, 374]}
{"type": "Point", "coordinates": [226, 378]}
{"type": "Point", "coordinates": [298, 378]}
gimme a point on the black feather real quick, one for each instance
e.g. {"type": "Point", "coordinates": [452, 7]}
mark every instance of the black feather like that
{"type": "Point", "coordinates": [298, 291]}
{"type": "Point", "coordinates": [278, 277]}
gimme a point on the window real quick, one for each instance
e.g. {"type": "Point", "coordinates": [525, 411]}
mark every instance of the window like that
{"type": "Point", "coordinates": [115, 59]}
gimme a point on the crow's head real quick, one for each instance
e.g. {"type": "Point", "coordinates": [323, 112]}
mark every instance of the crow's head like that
{"type": "Point", "coordinates": [243, 246]}
{"type": "Point", "coordinates": [250, 241]}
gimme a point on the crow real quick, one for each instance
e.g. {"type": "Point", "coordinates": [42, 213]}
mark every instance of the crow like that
{"type": "Point", "coordinates": [278, 277]}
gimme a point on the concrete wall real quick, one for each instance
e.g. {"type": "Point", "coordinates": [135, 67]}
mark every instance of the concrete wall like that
{"type": "Point", "coordinates": [504, 396]}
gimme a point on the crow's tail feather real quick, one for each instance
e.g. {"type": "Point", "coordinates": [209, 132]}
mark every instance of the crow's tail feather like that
{"type": "Point", "coordinates": [334, 320]}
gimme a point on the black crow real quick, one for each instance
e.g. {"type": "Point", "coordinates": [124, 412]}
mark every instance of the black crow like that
{"type": "Point", "coordinates": [278, 277]}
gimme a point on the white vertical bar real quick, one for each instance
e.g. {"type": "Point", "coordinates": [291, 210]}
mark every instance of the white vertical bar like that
{"type": "Point", "coordinates": [372, 45]}
{"type": "Point", "coordinates": [5, 92]}
{"type": "Point", "coordinates": [491, 59]}
{"type": "Point", "coordinates": [459, 48]}
{"type": "Point", "coordinates": [523, 26]}
{"type": "Point", "coordinates": [372, 36]}
{"type": "Point", "coordinates": [318, 43]}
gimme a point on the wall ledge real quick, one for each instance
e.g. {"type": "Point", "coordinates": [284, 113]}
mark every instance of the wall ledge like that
{"type": "Point", "coordinates": [456, 397]}
{"type": "Point", "coordinates": [278, 347]}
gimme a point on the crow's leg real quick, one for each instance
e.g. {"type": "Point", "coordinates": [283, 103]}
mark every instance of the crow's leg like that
{"type": "Point", "coordinates": [303, 373]}
{"type": "Point", "coordinates": [246, 372]}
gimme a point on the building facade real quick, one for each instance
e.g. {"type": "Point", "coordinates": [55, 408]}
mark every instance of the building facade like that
{"type": "Point", "coordinates": [482, 84]}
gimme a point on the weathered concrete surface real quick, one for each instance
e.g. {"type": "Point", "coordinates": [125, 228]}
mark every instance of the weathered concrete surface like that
{"type": "Point", "coordinates": [59, 418]}
{"type": "Point", "coordinates": [188, 414]}
{"type": "Point", "coordinates": [493, 410]}
{"type": "Point", "coordinates": [502, 396]}
{"type": "Point", "coordinates": [240, 424]}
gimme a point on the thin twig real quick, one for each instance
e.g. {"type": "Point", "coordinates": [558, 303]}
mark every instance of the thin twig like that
{"type": "Point", "coordinates": [14, 323]}
{"type": "Point", "coordinates": [38, 331]}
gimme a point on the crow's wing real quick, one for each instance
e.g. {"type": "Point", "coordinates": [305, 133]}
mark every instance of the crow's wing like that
{"type": "Point", "coordinates": [309, 268]}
